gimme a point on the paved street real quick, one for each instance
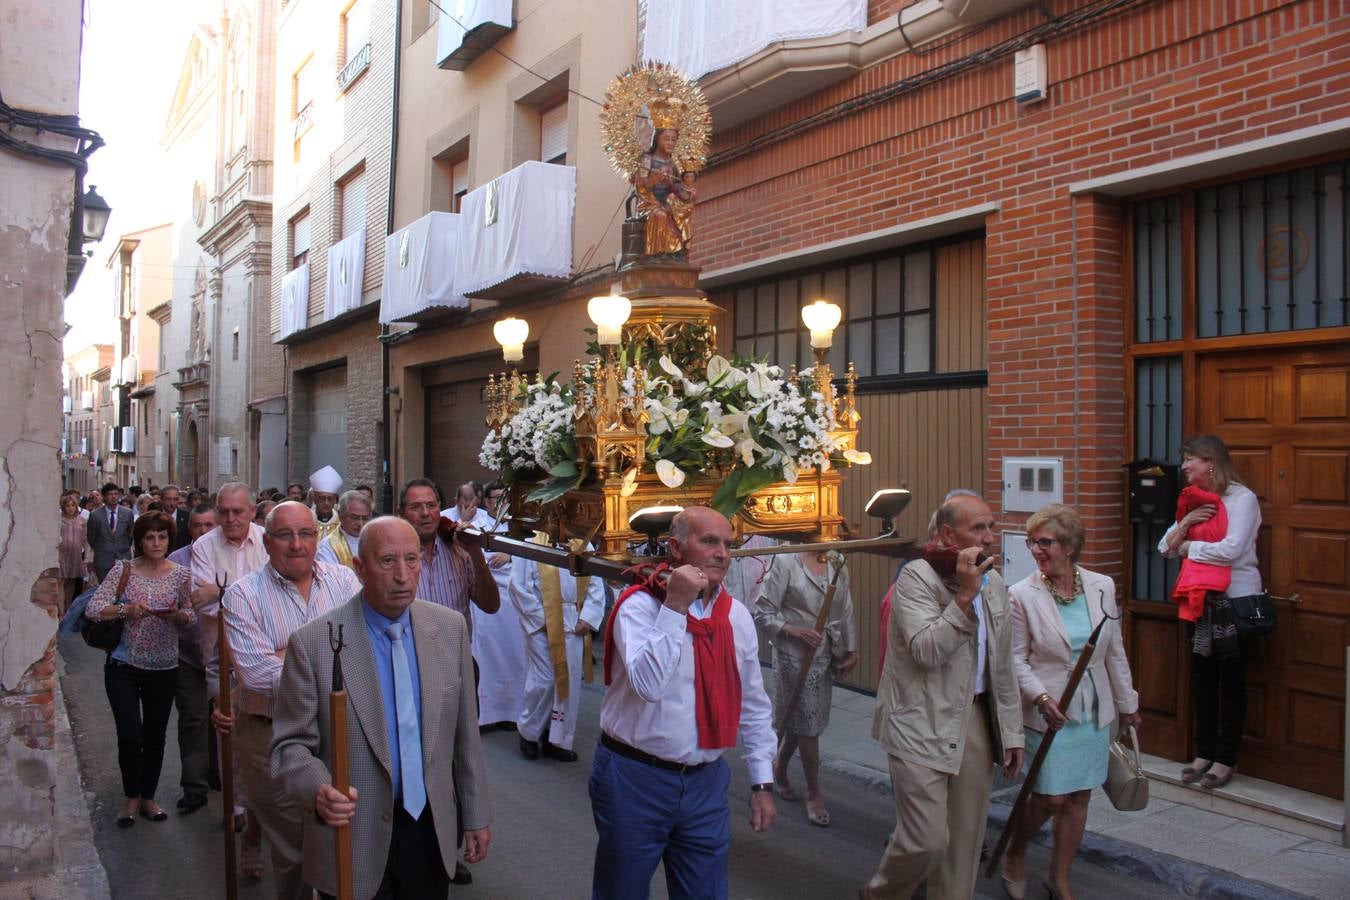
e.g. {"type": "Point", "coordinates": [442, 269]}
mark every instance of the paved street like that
{"type": "Point", "coordinates": [543, 838]}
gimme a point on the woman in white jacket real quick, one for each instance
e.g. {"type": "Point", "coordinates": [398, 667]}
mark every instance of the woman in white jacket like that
{"type": "Point", "coordinates": [1053, 613]}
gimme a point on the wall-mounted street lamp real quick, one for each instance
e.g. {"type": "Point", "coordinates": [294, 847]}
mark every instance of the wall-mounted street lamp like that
{"type": "Point", "coordinates": [94, 213]}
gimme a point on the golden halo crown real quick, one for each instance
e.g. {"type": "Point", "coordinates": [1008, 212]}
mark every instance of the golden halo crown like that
{"type": "Point", "coordinates": [649, 96]}
{"type": "Point", "coordinates": [666, 112]}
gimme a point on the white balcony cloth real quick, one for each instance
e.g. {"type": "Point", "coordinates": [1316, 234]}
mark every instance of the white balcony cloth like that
{"type": "Point", "coordinates": [419, 267]}
{"type": "Point", "coordinates": [463, 16]}
{"type": "Point", "coordinates": [346, 269]}
{"type": "Point", "coordinates": [532, 232]}
{"type": "Point", "coordinates": [702, 36]}
{"type": "Point", "coordinates": [294, 300]}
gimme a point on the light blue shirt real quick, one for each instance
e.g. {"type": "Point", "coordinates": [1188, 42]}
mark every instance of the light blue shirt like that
{"type": "Point", "coordinates": [383, 649]}
{"type": "Point", "coordinates": [981, 636]}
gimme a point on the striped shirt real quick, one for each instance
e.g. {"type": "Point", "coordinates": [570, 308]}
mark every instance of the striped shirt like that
{"type": "Point", "coordinates": [447, 577]}
{"type": "Point", "coordinates": [261, 611]}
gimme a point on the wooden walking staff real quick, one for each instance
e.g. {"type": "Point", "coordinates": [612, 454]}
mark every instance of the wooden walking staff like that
{"type": "Point", "coordinates": [1023, 795]}
{"type": "Point", "coordinates": [337, 740]}
{"type": "Point", "coordinates": [226, 707]}
{"type": "Point", "coordinates": [822, 619]}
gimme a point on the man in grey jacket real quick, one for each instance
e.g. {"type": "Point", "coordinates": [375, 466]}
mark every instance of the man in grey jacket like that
{"type": "Point", "coordinates": [109, 531]}
{"type": "Point", "coordinates": [948, 708]}
{"type": "Point", "coordinates": [413, 722]}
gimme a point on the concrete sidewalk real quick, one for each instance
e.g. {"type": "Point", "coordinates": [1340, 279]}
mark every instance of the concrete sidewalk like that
{"type": "Point", "coordinates": [1191, 850]}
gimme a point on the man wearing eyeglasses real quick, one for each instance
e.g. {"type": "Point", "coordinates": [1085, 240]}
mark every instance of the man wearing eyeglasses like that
{"type": "Point", "coordinates": [451, 574]}
{"type": "Point", "coordinates": [948, 708]}
{"type": "Point", "coordinates": [260, 612]}
{"type": "Point", "coordinates": [342, 546]}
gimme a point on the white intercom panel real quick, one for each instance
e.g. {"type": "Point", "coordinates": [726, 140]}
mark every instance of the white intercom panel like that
{"type": "Point", "coordinates": [1030, 482]}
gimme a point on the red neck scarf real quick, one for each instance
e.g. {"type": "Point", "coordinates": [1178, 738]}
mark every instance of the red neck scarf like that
{"type": "Point", "coordinates": [717, 678]}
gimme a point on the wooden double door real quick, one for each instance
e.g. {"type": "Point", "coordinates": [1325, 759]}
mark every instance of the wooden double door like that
{"type": "Point", "coordinates": [1285, 415]}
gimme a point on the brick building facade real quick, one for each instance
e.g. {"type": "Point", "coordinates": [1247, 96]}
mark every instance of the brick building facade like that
{"type": "Point", "coordinates": [1085, 211]}
{"type": "Point", "coordinates": [335, 66]}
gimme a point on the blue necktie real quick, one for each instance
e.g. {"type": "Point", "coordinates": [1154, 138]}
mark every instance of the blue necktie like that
{"type": "Point", "coordinates": [409, 733]}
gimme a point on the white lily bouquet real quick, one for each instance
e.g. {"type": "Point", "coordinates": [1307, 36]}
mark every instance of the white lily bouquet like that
{"type": "Point", "coordinates": [741, 421]}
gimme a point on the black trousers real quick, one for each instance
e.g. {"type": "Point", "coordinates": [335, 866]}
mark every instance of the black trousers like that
{"type": "Point", "coordinates": [195, 736]}
{"type": "Point", "coordinates": [1219, 697]}
{"type": "Point", "coordinates": [141, 701]}
{"type": "Point", "coordinates": [414, 870]}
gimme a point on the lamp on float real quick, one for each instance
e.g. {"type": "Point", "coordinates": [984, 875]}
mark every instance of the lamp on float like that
{"type": "Point", "coordinates": [653, 521]}
{"type": "Point", "coordinates": [821, 317]}
{"type": "Point", "coordinates": [609, 312]}
{"type": "Point", "coordinates": [511, 334]}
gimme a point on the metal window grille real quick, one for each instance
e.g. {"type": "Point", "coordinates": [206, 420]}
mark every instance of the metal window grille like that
{"type": "Point", "coordinates": [1272, 252]}
{"type": "Point", "coordinates": [1157, 435]}
{"type": "Point", "coordinates": [887, 328]}
{"type": "Point", "coordinates": [1157, 270]}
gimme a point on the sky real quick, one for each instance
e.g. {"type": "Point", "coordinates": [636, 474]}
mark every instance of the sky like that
{"type": "Point", "coordinates": [133, 51]}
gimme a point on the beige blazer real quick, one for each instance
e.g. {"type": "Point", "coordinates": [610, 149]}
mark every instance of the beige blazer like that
{"type": "Point", "coordinates": [450, 746]}
{"type": "Point", "coordinates": [928, 681]}
{"type": "Point", "coordinates": [1041, 652]}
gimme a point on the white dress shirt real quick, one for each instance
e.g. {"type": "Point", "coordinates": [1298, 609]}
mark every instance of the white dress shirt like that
{"type": "Point", "coordinates": [481, 520]}
{"type": "Point", "coordinates": [214, 557]}
{"type": "Point", "coordinates": [262, 610]}
{"type": "Point", "coordinates": [650, 701]}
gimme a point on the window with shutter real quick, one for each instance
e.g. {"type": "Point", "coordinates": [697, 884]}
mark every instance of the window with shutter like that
{"type": "Point", "coordinates": [300, 240]}
{"type": "Point", "coordinates": [353, 203]}
{"type": "Point", "coordinates": [553, 134]}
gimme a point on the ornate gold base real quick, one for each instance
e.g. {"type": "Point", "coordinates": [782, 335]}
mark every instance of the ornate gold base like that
{"type": "Point", "coordinates": [600, 512]}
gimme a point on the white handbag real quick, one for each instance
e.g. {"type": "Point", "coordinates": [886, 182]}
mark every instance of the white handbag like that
{"type": "Point", "coordinates": [1126, 784]}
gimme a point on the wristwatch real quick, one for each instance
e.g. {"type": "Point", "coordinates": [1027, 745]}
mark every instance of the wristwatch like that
{"type": "Point", "coordinates": [761, 787]}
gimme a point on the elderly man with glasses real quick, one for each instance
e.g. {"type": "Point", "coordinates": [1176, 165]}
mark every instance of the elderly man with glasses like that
{"type": "Point", "coordinates": [261, 610]}
{"type": "Point", "coordinates": [342, 546]}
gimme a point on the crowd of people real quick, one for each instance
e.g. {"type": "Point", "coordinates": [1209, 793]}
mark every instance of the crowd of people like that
{"type": "Point", "coordinates": [442, 642]}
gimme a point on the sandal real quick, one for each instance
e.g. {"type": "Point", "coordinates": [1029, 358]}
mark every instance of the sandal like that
{"type": "Point", "coordinates": [819, 817]}
{"type": "Point", "coordinates": [250, 861]}
{"type": "Point", "coordinates": [785, 791]}
{"type": "Point", "coordinates": [1212, 781]}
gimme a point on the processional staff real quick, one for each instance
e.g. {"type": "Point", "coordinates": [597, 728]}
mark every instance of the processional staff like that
{"type": "Point", "coordinates": [822, 619]}
{"type": "Point", "coordinates": [337, 740]}
{"type": "Point", "coordinates": [226, 707]}
{"type": "Point", "coordinates": [1024, 794]}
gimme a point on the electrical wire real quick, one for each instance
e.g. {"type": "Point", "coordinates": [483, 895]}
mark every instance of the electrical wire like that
{"type": "Point", "coordinates": [512, 61]}
{"type": "Point", "coordinates": [86, 140]}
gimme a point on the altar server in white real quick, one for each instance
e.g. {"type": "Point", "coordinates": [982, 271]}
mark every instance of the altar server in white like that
{"type": "Point", "coordinates": [557, 614]}
{"type": "Point", "coordinates": [499, 647]}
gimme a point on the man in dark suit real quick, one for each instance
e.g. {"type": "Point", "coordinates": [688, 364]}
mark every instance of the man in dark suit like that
{"type": "Point", "coordinates": [172, 501]}
{"type": "Point", "coordinates": [411, 740]}
{"type": "Point", "coordinates": [108, 531]}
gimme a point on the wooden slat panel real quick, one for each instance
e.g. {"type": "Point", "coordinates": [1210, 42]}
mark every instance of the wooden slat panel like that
{"type": "Point", "coordinates": [929, 442]}
{"type": "Point", "coordinates": [960, 307]}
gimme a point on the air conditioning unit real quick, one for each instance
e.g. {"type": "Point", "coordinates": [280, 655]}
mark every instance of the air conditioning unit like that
{"type": "Point", "coordinates": [128, 439]}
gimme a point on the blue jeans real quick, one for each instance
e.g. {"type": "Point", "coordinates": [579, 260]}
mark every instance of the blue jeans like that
{"type": "Point", "coordinates": [645, 815]}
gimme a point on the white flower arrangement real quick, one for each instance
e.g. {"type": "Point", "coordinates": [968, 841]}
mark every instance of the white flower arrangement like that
{"type": "Point", "coordinates": [743, 421]}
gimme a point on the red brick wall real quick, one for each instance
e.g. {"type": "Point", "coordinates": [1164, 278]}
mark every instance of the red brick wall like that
{"type": "Point", "coordinates": [1168, 79]}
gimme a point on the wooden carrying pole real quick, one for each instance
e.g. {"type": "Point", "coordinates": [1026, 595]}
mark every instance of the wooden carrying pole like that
{"type": "Point", "coordinates": [337, 740]}
{"type": "Point", "coordinates": [1024, 794]}
{"type": "Point", "coordinates": [822, 619]}
{"type": "Point", "coordinates": [226, 707]}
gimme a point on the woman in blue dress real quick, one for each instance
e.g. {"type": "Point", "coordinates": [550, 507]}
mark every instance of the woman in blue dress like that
{"type": "Point", "coordinates": [1053, 612]}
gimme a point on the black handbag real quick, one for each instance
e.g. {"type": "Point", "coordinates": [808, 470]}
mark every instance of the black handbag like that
{"type": "Point", "coordinates": [106, 635]}
{"type": "Point", "coordinates": [1253, 614]}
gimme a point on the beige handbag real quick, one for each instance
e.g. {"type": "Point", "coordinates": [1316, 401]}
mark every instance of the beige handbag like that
{"type": "Point", "coordinates": [1126, 784]}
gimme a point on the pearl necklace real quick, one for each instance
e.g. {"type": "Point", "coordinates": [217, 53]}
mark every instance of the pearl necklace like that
{"type": "Point", "coordinates": [1061, 600]}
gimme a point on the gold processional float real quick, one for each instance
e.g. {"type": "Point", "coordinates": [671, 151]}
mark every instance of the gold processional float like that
{"type": "Point", "coordinates": [656, 419]}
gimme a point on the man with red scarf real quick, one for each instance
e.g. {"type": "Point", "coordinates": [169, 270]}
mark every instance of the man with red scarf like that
{"type": "Point", "coordinates": [682, 669]}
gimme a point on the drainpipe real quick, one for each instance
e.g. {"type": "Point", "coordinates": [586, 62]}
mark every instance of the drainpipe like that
{"type": "Point", "coordinates": [386, 485]}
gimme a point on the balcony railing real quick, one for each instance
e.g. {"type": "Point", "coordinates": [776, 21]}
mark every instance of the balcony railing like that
{"type": "Point", "coordinates": [353, 69]}
{"type": "Point", "coordinates": [304, 120]}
